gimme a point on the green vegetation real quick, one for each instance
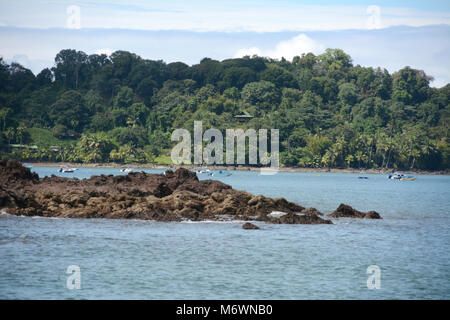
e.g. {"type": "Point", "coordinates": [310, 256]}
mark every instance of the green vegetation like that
{"type": "Point", "coordinates": [122, 108]}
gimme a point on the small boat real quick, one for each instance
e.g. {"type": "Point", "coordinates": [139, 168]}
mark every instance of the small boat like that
{"type": "Point", "coordinates": [408, 179]}
{"type": "Point", "coordinates": [67, 169]}
{"type": "Point", "coordinates": [27, 165]}
{"type": "Point", "coordinates": [363, 177]}
{"type": "Point", "coordinates": [212, 173]}
{"type": "Point", "coordinates": [402, 176]}
{"type": "Point", "coordinates": [126, 170]}
{"type": "Point", "coordinates": [207, 171]}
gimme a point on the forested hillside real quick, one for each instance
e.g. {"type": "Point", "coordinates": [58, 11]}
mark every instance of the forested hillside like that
{"type": "Point", "coordinates": [122, 108]}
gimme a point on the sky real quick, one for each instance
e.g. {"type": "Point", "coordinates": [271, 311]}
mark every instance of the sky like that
{"type": "Point", "coordinates": [390, 34]}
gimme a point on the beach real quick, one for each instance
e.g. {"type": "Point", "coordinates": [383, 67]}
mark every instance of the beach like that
{"type": "Point", "coordinates": [234, 168]}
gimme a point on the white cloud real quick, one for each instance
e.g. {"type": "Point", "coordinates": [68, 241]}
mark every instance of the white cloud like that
{"type": "Point", "coordinates": [285, 49]}
{"type": "Point", "coordinates": [106, 51]}
{"type": "Point", "coordinates": [248, 52]}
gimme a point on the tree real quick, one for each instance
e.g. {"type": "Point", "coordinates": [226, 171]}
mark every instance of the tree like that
{"type": "Point", "coordinates": [411, 85]}
{"type": "Point", "coordinates": [135, 136]}
{"type": "Point", "coordinates": [44, 78]}
{"type": "Point", "coordinates": [22, 136]}
{"type": "Point", "coordinates": [335, 62]}
{"type": "Point", "coordinates": [122, 63]}
{"type": "Point", "coordinates": [10, 134]}
{"type": "Point", "coordinates": [71, 68]}
{"type": "Point", "coordinates": [124, 98]}
{"type": "Point", "coordinates": [238, 77]}
{"type": "Point", "coordinates": [262, 93]}
{"type": "Point", "coordinates": [70, 111]}
{"type": "Point", "coordinates": [348, 94]}
{"type": "Point", "coordinates": [279, 76]}
{"type": "Point", "coordinates": [145, 88]}
{"type": "Point", "coordinates": [93, 148]}
{"type": "Point", "coordinates": [4, 115]}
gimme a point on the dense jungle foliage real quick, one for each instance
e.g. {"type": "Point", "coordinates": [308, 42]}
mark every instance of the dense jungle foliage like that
{"type": "Point", "coordinates": [122, 108]}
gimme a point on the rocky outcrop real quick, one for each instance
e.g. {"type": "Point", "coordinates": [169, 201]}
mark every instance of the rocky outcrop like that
{"type": "Point", "coordinates": [249, 226]}
{"type": "Point", "coordinates": [173, 196]}
{"type": "Point", "coordinates": [345, 211]}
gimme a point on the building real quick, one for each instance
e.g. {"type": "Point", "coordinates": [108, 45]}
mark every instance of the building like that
{"type": "Point", "coordinates": [243, 117]}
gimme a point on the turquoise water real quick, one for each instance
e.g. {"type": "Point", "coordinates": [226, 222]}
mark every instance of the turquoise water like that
{"type": "Point", "coordinates": [153, 260]}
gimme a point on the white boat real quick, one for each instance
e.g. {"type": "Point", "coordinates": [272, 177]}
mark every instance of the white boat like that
{"type": "Point", "coordinates": [126, 170]}
{"type": "Point", "coordinates": [67, 169]}
{"type": "Point", "coordinates": [402, 176]}
{"type": "Point", "coordinates": [212, 173]}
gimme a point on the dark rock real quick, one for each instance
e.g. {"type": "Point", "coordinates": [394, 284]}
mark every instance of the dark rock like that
{"type": "Point", "coordinates": [13, 172]}
{"type": "Point", "coordinates": [173, 196]}
{"type": "Point", "coordinates": [250, 226]}
{"type": "Point", "coordinates": [345, 211]}
{"type": "Point", "coordinates": [300, 218]}
{"type": "Point", "coordinates": [311, 211]}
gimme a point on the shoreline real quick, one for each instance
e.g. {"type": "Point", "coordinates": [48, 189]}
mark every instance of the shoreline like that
{"type": "Point", "coordinates": [232, 168]}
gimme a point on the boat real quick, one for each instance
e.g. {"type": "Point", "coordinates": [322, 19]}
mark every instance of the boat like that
{"type": "Point", "coordinates": [67, 169]}
{"type": "Point", "coordinates": [27, 165]}
{"type": "Point", "coordinates": [363, 177]}
{"type": "Point", "coordinates": [408, 179]}
{"type": "Point", "coordinates": [212, 173]}
{"type": "Point", "coordinates": [205, 171]}
{"type": "Point", "coordinates": [126, 170]}
{"type": "Point", "coordinates": [402, 176]}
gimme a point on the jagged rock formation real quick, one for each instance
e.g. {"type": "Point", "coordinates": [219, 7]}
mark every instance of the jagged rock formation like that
{"type": "Point", "coordinates": [173, 196]}
{"type": "Point", "coordinates": [345, 211]}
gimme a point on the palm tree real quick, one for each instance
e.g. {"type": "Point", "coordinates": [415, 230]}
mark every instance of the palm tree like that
{"type": "Point", "coordinates": [414, 153]}
{"type": "Point", "coordinates": [359, 156]}
{"type": "Point", "coordinates": [10, 134]}
{"type": "Point", "coordinates": [388, 148]}
{"type": "Point", "coordinates": [3, 116]}
{"type": "Point", "coordinates": [349, 159]}
{"type": "Point", "coordinates": [20, 133]}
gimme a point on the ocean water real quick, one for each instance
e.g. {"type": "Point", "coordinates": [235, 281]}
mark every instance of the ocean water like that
{"type": "Point", "coordinates": [131, 259]}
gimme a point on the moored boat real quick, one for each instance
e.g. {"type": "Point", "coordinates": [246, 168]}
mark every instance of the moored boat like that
{"type": "Point", "coordinates": [402, 176]}
{"type": "Point", "coordinates": [67, 169]}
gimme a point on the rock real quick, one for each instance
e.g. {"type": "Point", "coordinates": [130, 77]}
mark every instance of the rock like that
{"type": "Point", "coordinates": [13, 172]}
{"type": "Point", "coordinates": [311, 211]}
{"type": "Point", "coordinates": [372, 215]}
{"type": "Point", "coordinates": [173, 196]}
{"type": "Point", "coordinates": [250, 226]}
{"type": "Point", "coordinates": [300, 218]}
{"type": "Point", "coordinates": [345, 211]}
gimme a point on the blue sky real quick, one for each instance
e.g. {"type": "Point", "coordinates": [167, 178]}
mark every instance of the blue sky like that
{"type": "Point", "coordinates": [228, 16]}
{"type": "Point", "coordinates": [390, 34]}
